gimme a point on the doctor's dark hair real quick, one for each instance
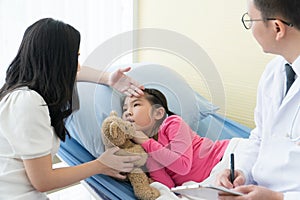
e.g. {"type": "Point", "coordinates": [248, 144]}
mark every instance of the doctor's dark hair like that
{"type": "Point", "coordinates": [287, 10]}
{"type": "Point", "coordinates": [47, 62]}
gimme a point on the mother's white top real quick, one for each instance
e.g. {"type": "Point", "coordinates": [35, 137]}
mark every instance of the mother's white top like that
{"type": "Point", "coordinates": [25, 133]}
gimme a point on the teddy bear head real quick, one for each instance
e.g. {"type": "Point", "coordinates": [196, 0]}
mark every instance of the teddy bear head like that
{"type": "Point", "coordinates": [116, 131]}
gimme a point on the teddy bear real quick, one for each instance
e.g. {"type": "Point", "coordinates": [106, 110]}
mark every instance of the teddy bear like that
{"type": "Point", "coordinates": [118, 132]}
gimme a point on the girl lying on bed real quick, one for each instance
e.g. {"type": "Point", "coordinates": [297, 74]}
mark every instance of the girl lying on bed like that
{"type": "Point", "coordinates": [177, 154]}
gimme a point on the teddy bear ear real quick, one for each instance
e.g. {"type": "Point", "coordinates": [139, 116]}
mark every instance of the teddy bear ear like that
{"type": "Point", "coordinates": [113, 130]}
{"type": "Point", "coordinates": [113, 113]}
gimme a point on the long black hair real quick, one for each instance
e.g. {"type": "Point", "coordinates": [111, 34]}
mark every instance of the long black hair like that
{"type": "Point", "coordinates": [47, 62]}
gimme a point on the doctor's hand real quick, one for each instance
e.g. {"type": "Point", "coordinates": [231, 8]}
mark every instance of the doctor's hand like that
{"type": "Point", "coordinates": [253, 192]}
{"type": "Point", "coordinates": [114, 164]}
{"type": "Point", "coordinates": [223, 179]}
{"type": "Point", "coordinates": [124, 83]}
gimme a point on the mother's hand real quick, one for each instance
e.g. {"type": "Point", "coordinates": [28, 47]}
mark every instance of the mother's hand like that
{"type": "Point", "coordinates": [113, 164]}
{"type": "Point", "coordinates": [124, 83]}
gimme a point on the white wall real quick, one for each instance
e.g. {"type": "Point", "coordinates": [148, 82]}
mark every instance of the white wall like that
{"type": "Point", "coordinates": [96, 20]}
{"type": "Point", "coordinates": [215, 26]}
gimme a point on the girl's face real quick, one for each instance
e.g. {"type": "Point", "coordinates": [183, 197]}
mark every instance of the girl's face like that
{"type": "Point", "coordinates": [139, 112]}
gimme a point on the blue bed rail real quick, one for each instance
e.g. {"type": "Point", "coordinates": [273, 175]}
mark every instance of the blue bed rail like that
{"type": "Point", "coordinates": [106, 187]}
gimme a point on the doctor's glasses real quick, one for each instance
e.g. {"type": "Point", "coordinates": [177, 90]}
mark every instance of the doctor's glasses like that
{"type": "Point", "coordinates": [247, 21]}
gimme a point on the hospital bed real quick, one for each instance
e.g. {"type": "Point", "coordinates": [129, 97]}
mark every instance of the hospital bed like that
{"type": "Point", "coordinates": [96, 101]}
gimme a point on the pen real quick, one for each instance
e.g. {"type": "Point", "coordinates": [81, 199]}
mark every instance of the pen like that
{"type": "Point", "coordinates": [231, 167]}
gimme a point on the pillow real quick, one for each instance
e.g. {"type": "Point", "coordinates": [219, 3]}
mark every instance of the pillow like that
{"type": "Point", "coordinates": [97, 101]}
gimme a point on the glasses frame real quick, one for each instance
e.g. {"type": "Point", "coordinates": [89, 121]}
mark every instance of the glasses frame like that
{"type": "Point", "coordinates": [253, 20]}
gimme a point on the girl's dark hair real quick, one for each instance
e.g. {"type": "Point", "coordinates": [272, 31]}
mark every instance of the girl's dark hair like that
{"type": "Point", "coordinates": [288, 10]}
{"type": "Point", "coordinates": [47, 62]}
{"type": "Point", "coordinates": [155, 97]}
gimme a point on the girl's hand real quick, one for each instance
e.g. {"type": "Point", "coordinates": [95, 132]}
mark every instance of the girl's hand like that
{"type": "Point", "coordinates": [115, 164]}
{"type": "Point", "coordinates": [124, 83]}
{"type": "Point", "coordinates": [140, 137]}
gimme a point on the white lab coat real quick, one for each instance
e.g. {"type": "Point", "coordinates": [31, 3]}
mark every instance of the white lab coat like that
{"type": "Point", "coordinates": [272, 157]}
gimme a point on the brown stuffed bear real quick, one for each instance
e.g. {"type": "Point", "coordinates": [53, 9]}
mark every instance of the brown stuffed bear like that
{"type": "Point", "coordinates": [118, 132]}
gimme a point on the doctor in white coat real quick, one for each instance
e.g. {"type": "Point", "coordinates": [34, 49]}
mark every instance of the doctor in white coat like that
{"type": "Point", "coordinates": [269, 167]}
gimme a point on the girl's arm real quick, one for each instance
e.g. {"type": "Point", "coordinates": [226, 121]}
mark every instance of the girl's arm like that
{"type": "Point", "coordinates": [116, 79]}
{"type": "Point", "coordinates": [157, 171]}
{"type": "Point", "coordinates": [177, 154]}
{"type": "Point", "coordinates": [44, 178]}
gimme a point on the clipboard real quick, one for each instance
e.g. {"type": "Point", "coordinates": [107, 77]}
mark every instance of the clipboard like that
{"type": "Point", "coordinates": [201, 191]}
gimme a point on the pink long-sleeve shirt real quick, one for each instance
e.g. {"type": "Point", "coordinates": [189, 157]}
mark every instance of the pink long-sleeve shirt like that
{"type": "Point", "coordinates": [180, 154]}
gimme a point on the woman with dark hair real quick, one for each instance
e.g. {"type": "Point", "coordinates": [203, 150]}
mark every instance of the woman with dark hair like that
{"type": "Point", "coordinates": [34, 102]}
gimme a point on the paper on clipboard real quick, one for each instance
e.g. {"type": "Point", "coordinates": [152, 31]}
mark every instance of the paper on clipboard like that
{"type": "Point", "coordinates": [199, 191]}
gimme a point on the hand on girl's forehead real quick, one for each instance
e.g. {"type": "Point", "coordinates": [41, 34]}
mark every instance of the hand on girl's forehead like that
{"type": "Point", "coordinates": [129, 100]}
